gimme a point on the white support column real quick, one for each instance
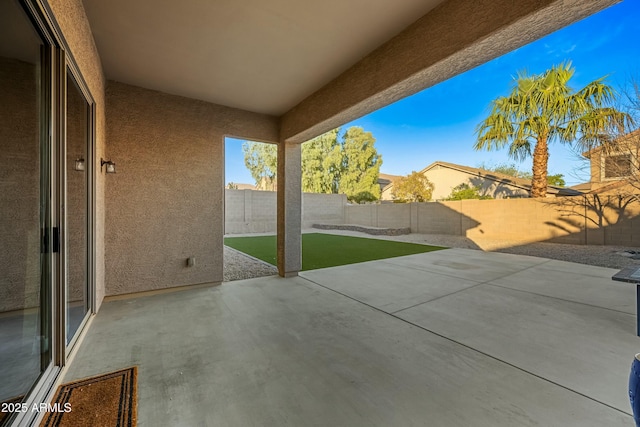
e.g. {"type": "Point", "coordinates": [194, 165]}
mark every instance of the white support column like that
{"type": "Point", "coordinates": [289, 209]}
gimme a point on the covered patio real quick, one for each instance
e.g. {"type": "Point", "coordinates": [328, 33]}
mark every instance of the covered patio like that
{"type": "Point", "coordinates": [155, 87]}
{"type": "Point", "coordinates": [454, 338]}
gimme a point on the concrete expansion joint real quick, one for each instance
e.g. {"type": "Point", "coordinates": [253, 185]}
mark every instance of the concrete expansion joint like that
{"type": "Point", "coordinates": [561, 299]}
{"type": "Point", "coordinates": [438, 298]}
{"type": "Point", "coordinates": [471, 280]}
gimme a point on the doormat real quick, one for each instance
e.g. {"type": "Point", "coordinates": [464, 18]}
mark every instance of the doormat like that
{"type": "Point", "coordinates": [7, 405]}
{"type": "Point", "coordinates": [108, 400]}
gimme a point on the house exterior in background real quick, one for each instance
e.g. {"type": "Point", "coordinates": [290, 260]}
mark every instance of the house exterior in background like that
{"type": "Point", "coordinates": [154, 87]}
{"type": "Point", "coordinates": [240, 186]}
{"type": "Point", "coordinates": [612, 169]}
{"type": "Point", "coordinates": [386, 181]}
{"type": "Point", "coordinates": [446, 176]}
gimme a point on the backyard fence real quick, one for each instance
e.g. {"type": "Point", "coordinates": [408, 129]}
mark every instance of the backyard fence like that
{"type": "Point", "coordinates": [250, 211]}
{"type": "Point", "coordinates": [578, 220]}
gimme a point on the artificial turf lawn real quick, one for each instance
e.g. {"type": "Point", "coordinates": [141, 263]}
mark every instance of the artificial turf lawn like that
{"type": "Point", "coordinates": [326, 250]}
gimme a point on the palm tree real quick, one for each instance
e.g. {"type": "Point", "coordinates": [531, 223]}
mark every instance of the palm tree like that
{"type": "Point", "coordinates": [542, 109]}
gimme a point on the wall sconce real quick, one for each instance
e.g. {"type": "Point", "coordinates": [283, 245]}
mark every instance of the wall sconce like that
{"type": "Point", "coordinates": [79, 165]}
{"type": "Point", "coordinates": [111, 167]}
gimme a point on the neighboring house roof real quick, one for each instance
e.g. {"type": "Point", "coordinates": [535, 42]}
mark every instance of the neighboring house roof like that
{"type": "Point", "coordinates": [610, 188]}
{"type": "Point", "coordinates": [385, 180]}
{"type": "Point", "coordinates": [524, 184]}
{"type": "Point", "coordinates": [620, 139]}
{"type": "Point", "coordinates": [583, 187]}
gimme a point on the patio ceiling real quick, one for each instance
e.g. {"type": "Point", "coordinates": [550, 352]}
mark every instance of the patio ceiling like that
{"type": "Point", "coordinates": [258, 55]}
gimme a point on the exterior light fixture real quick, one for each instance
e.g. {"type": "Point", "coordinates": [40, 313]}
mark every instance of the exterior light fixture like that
{"type": "Point", "coordinates": [111, 166]}
{"type": "Point", "coordinates": [79, 165]}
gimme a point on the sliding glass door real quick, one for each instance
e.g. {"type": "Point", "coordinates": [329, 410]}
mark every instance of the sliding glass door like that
{"type": "Point", "coordinates": [78, 174]}
{"type": "Point", "coordinates": [47, 168]}
{"type": "Point", "coordinates": [26, 235]}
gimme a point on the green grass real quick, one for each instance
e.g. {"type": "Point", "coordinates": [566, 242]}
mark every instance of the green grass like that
{"type": "Point", "coordinates": [327, 250]}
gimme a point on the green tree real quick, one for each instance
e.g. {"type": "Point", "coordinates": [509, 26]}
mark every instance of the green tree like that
{"type": "Point", "coordinates": [363, 197]}
{"type": "Point", "coordinates": [511, 169]}
{"type": "Point", "coordinates": [360, 165]}
{"type": "Point", "coordinates": [415, 187]}
{"type": "Point", "coordinates": [350, 167]}
{"type": "Point", "coordinates": [464, 192]}
{"type": "Point", "coordinates": [262, 161]}
{"type": "Point", "coordinates": [322, 163]}
{"type": "Point", "coordinates": [556, 179]}
{"type": "Point", "coordinates": [542, 109]}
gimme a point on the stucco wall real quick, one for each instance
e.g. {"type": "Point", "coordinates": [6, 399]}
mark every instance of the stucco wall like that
{"type": "Point", "coordinates": [249, 211]}
{"type": "Point", "coordinates": [446, 179]}
{"type": "Point", "coordinates": [595, 166]}
{"type": "Point", "coordinates": [165, 203]}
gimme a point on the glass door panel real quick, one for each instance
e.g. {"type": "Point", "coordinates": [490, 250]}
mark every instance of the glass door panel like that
{"type": "Point", "coordinates": [77, 209]}
{"type": "Point", "coordinates": [25, 202]}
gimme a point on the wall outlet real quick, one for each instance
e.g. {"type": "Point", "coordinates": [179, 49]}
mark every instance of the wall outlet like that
{"type": "Point", "coordinates": [191, 261]}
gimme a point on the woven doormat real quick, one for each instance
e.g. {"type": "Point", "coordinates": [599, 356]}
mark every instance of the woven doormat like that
{"type": "Point", "coordinates": [108, 400]}
{"type": "Point", "coordinates": [4, 414]}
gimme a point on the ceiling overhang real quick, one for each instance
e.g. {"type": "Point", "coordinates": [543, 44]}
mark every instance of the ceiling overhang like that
{"type": "Point", "coordinates": [264, 56]}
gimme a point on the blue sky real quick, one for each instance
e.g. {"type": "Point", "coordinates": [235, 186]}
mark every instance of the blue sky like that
{"type": "Point", "coordinates": [439, 122]}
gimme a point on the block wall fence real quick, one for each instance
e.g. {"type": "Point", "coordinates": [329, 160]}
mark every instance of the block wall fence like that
{"type": "Point", "coordinates": [574, 220]}
{"type": "Point", "coordinates": [250, 211]}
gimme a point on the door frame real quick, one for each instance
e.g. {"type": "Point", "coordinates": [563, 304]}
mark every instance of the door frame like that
{"type": "Point", "coordinates": [56, 62]}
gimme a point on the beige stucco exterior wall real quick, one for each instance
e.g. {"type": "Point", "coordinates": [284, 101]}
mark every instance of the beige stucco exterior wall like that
{"type": "Point", "coordinates": [386, 193]}
{"type": "Point", "coordinates": [165, 203]}
{"type": "Point", "coordinates": [289, 202]}
{"type": "Point", "coordinates": [73, 22]}
{"type": "Point", "coordinates": [595, 163]}
{"type": "Point", "coordinates": [446, 179]}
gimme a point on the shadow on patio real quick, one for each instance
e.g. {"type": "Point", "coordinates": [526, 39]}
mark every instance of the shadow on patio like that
{"type": "Point", "coordinates": [449, 338]}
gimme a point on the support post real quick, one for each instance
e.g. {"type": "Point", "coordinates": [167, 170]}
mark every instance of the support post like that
{"type": "Point", "coordinates": [289, 239]}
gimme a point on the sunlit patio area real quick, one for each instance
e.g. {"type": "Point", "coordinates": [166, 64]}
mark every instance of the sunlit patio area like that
{"type": "Point", "coordinates": [449, 338]}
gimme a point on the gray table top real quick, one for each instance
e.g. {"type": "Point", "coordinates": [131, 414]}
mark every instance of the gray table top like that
{"type": "Point", "coordinates": [629, 274]}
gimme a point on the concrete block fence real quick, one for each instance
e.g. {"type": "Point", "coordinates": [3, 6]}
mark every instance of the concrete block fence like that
{"type": "Point", "coordinates": [575, 220]}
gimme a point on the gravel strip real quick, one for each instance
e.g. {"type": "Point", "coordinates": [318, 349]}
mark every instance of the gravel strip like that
{"type": "Point", "coordinates": [238, 266]}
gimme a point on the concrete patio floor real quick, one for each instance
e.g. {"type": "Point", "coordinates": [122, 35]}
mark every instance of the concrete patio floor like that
{"type": "Point", "coordinates": [450, 338]}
